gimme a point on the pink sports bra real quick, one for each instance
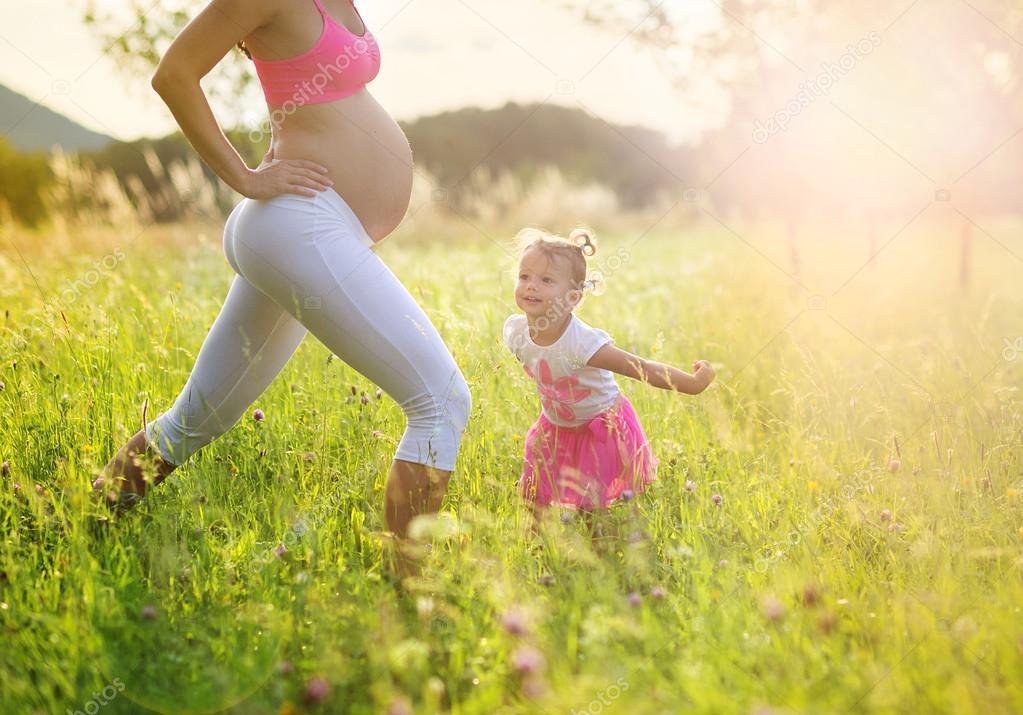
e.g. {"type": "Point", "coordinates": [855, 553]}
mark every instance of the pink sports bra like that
{"type": "Point", "coordinates": [338, 65]}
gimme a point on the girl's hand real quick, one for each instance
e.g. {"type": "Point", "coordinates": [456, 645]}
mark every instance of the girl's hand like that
{"type": "Point", "coordinates": [274, 177]}
{"type": "Point", "coordinates": [703, 372]}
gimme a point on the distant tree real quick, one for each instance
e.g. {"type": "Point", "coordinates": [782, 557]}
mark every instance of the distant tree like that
{"type": "Point", "coordinates": [137, 36]}
{"type": "Point", "coordinates": [949, 89]}
{"type": "Point", "coordinates": [23, 181]}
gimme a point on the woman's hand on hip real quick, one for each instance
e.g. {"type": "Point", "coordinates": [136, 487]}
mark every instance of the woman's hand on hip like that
{"type": "Point", "coordinates": [285, 176]}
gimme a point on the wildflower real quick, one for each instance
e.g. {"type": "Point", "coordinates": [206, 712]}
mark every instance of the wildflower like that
{"type": "Point", "coordinates": [280, 550]}
{"type": "Point", "coordinates": [886, 515]}
{"type": "Point", "coordinates": [894, 464]}
{"type": "Point", "coordinates": [722, 563]}
{"type": "Point", "coordinates": [39, 489]}
{"type": "Point", "coordinates": [424, 606]}
{"type": "Point", "coordinates": [826, 622]}
{"type": "Point", "coordinates": [285, 667]}
{"type": "Point", "coordinates": [811, 596]}
{"type": "Point", "coordinates": [516, 438]}
{"type": "Point", "coordinates": [895, 526]}
{"type": "Point", "coordinates": [287, 708]}
{"type": "Point", "coordinates": [812, 486]}
{"type": "Point", "coordinates": [355, 391]}
{"type": "Point", "coordinates": [5, 468]}
{"type": "Point", "coordinates": [533, 687]}
{"type": "Point", "coordinates": [258, 415]}
{"type": "Point", "coordinates": [316, 690]}
{"type": "Point", "coordinates": [774, 610]}
{"type": "Point", "coordinates": [514, 622]}
{"type": "Point", "coordinates": [566, 517]}
{"type": "Point", "coordinates": [364, 399]}
{"type": "Point", "coordinates": [379, 393]}
{"type": "Point", "coordinates": [399, 706]}
{"type": "Point", "coordinates": [148, 612]}
{"type": "Point", "coordinates": [635, 600]}
{"type": "Point", "coordinates": [1011, 493]}
{"type": "Point", "coordinates": [690, 485]}
{"type": "Point", "coordinates": [548, 580]}
{"type": "Point", "coordinates": [657, 593]}
{"type": "Point", "coordinates": [527, 660]}
{"type": "Point", "coordinates": [716, 499]}
{"type": "Point", "coordinates": [627, 495]}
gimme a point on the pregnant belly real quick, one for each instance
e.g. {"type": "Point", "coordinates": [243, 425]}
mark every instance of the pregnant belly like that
{"type": "Point", "coordinates": [363, 148]}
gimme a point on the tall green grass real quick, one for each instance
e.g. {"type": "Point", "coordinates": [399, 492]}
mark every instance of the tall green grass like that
{"type": "Point", "coordinates": [826, 581]}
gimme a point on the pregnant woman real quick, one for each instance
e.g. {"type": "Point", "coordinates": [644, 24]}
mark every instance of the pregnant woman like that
{"type": "Point", "coordinates": [336, 180]}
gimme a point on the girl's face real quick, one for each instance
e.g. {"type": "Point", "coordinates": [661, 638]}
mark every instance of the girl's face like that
{"type": "Point", "coordinates": [544, 285]}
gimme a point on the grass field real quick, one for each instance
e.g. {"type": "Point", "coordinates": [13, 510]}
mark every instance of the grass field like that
{"type": "Point", "coordinates": [865, 438]}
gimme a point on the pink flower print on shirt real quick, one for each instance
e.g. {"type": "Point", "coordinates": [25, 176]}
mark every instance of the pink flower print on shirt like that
{"type": "Point", "coordinates": [557, 396]}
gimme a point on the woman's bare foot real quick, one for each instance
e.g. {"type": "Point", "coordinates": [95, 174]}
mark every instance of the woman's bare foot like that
{"type": "Point", "coordinates": [125, 478]}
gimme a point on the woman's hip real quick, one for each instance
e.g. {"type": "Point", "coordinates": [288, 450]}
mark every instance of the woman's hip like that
{"type": "Point", "coordinates": [290, 222]}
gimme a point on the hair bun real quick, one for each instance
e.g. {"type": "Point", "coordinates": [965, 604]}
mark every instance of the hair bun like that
{"type": "Point", "coordinates": [585, 240]}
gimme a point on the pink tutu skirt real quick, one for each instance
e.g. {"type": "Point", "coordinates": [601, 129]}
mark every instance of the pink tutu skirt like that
{"type": "Point", "coordinates": [589, 466]}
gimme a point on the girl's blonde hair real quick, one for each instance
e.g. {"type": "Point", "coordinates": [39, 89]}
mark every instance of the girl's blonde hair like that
{"type": "Point", "coordinates": [580, 245]}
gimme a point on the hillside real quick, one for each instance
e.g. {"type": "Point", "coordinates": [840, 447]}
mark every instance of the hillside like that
{"type": "Point", "coordinates": [29, 126]}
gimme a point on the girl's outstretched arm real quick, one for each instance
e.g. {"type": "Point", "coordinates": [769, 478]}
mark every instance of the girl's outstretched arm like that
{"type": "Point", "coordinates": [657, 374]}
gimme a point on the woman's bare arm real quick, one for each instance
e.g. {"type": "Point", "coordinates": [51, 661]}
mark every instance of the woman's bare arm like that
{"type": "Point", "coordinates": [194, 52]}
{"type": "Point", "coordinates": [657, 374]}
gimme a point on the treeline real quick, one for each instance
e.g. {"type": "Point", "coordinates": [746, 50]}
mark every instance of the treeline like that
{"type": "Point", "coordinates": [520, 141]}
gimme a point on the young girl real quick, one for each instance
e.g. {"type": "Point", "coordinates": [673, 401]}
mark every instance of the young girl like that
{"type": "Point", "coordinates": [587, 449]}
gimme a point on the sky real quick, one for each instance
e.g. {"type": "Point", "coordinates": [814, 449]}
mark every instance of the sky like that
{"type": "Point", "coordinates": [437, 55]}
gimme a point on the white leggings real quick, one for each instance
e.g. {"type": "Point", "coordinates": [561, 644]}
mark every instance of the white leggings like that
{"type": "Point", "coordinates": [305, 263]}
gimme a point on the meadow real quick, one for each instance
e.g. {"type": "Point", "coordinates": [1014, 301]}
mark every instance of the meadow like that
{"type": "Point", "coordinates": [837, 526]}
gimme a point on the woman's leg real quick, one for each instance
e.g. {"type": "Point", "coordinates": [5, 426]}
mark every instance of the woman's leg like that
{"type": "Point", "coordinates": [324, 272]}
{"type": "Point", "coordinates": [250, 341]}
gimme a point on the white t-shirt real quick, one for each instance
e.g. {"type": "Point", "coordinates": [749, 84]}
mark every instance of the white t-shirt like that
{"type": "Point", "coordinates": [571, 393]}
